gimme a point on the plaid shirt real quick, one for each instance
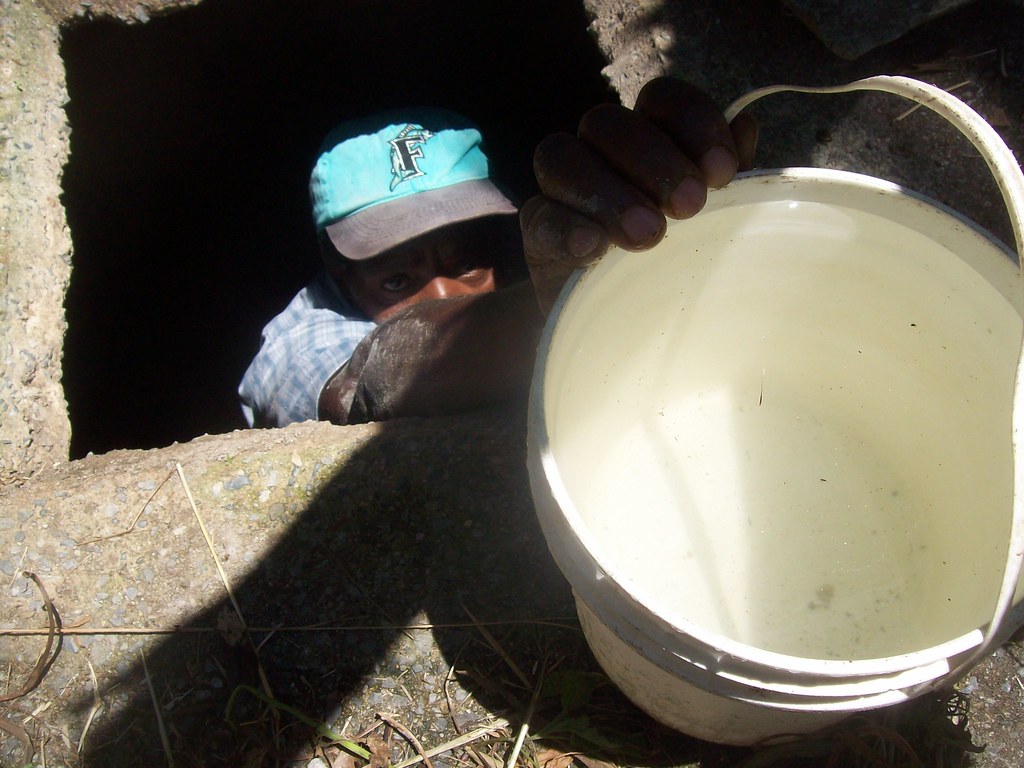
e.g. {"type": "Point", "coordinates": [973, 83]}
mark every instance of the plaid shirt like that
{"type": "Point", "coordinates": [300, 350]}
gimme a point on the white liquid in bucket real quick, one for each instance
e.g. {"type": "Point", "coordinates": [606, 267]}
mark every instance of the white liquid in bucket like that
{"type": "Point", "coordinates": [799, 437]}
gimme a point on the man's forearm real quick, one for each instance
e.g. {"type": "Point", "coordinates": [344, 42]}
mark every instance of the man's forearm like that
{"type": "Point", "coordinates": [440, 357]}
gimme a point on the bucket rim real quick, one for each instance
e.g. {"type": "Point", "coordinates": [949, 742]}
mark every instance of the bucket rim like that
{"type": "Point", "coordinates": [585, 562]}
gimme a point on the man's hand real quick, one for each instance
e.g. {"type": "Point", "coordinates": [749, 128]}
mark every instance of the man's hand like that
{"type": "Point", "coordinates": [622, 174]}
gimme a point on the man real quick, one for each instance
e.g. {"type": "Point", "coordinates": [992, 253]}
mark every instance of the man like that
{"type": "Point", "coordinates": [411, 316]}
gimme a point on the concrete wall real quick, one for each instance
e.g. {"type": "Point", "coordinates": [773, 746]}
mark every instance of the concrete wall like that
{"type": "Point", "coordinates": [35, 247]}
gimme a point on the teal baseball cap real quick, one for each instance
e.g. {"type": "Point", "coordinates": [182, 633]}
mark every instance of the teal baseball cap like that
{"type": "Point", "coordinates": [383, 180]}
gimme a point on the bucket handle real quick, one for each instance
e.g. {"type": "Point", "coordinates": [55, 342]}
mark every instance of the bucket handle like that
{"type": "Point", "coordinates": [1007, 173]}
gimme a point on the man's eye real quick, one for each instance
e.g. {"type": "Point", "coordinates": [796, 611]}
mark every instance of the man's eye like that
{"type": "Point", "coordinates": [395, 283]}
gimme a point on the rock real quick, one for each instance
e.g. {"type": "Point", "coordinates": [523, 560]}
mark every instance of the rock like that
{"type": "Point", "coordinates": [851, 28]}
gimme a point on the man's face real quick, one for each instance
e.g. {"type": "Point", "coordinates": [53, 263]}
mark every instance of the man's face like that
{"type": "Point", "coordinates": [457, 260]}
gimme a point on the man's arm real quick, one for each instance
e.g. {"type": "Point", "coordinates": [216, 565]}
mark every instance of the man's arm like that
{"type": "Point", "coordinates": [440, 357]}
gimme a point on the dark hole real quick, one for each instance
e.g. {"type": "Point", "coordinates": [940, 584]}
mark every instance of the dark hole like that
{"type": "Point", "coordinates": [186, 191]}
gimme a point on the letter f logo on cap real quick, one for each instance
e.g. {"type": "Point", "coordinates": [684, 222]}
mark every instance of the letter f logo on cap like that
{"type": "Point", "coordinates": [406, 148]}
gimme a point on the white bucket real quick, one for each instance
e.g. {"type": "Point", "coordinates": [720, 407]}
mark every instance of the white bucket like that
{"type": "Point", "coordinates": [776, 456]}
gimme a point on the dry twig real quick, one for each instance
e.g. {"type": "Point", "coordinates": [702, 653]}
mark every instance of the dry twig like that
{"type": "Point", "coordinates": [264, 682]}
{"type": "Point", "coordinates": [525, 727]}
{"type": "Point", "coordinates": [164, 741]}
{"type": "Point", "coordinates": [464, 740]}
{"type": "Point", "coordinates": [94, 710]}
{"type": "Point", "coordinates": [408, 735]}
{"type": "Point", "coordinates": [42, 666]}
{"type": "Point", "coordinates": [498, 649]}
{"type": "Point", "coordinates": [79, 629]}
{"type": "Point", "coordinates": [135, 520]}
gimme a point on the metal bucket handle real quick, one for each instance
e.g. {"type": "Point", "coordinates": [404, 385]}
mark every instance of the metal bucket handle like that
{"type": "Point", "coordinates": [1008, 176]}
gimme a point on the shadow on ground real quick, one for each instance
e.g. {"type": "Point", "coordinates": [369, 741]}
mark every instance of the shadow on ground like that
{"type": "Point", "coordinates": [428, 520]}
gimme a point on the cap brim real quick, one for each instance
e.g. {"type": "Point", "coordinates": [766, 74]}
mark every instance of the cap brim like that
{"type": "Point", "coordinates": [370, 232]}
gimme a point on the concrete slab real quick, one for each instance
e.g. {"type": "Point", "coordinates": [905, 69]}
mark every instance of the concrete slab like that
{"type": "Point", "coordinates": [361, 559]}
